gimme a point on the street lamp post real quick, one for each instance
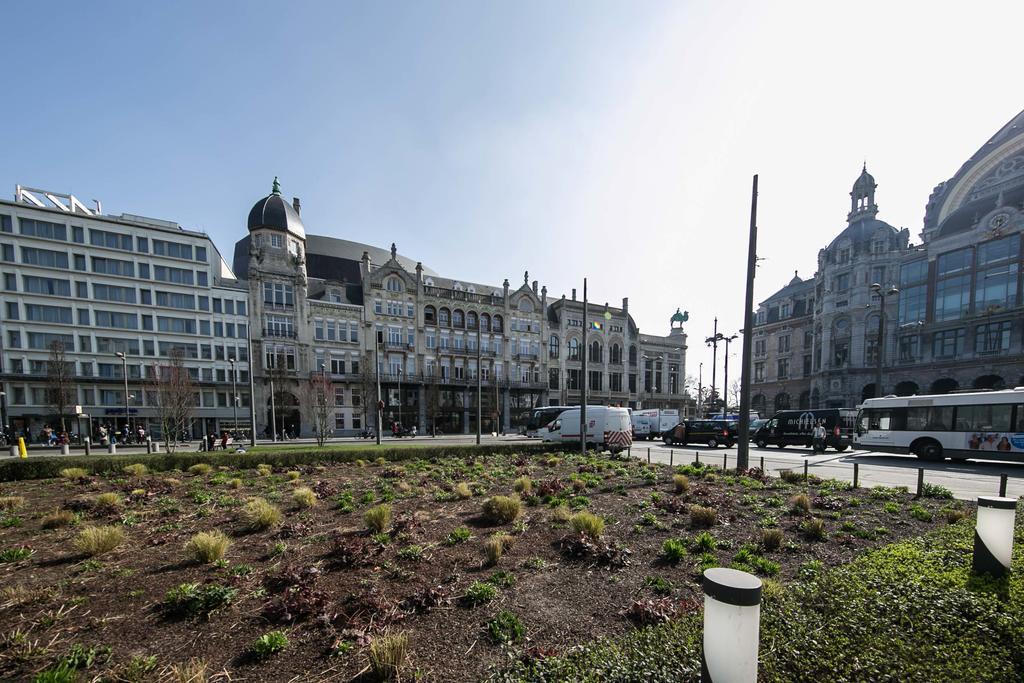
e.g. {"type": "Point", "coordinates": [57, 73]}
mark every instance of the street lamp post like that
{"type": "Point", "coordinates": [3, 416]}
{"type": "Point", "coordinates": [124, 371]}
{"type": "Point", "coordinates": [712, 341]}
{"type": "Point", "coordinates": [234, 397]}
{"type": "Point", "coordinates": [877, 289]}
{"type": "Point", "coordinates": [479, 385]}
{"type": "Point", "coordinates": [725, 377]}
{"type": "Point", "coordinates": [700, 388]}
{"type": "Point", "coordinates": [378, 340]}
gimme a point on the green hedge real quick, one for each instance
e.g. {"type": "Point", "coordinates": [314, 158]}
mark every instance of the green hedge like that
{"type": "Point", "coordinates": [45, 467]}
{"type": "Point", "coordinates": [910, 611]}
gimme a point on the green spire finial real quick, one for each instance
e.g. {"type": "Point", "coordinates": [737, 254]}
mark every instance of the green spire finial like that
{"type": "Point", "coordinates": [277, 186]}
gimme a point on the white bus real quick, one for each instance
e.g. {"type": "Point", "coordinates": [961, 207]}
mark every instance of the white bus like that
{"type": "Point", "coordinates": [987, 425]}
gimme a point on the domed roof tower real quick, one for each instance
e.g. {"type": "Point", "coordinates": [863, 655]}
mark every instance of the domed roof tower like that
{"type": "Point", "coordinates": [274, 213]}
{"type": "Point", "coordinates": [862, 196]}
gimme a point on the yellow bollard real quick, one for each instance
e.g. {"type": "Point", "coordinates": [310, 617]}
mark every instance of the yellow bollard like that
{"type": "Point", "coordinates": [21, 447]}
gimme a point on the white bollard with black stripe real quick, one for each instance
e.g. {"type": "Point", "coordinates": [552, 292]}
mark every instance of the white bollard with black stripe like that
{"type": "Point", "coordinates": [732, 626]}
{"type": "Point", "coordinates": [993, 535]}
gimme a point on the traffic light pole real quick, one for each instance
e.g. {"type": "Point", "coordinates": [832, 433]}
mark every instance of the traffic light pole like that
{"type": "Point", "coordinates": [743, 448]}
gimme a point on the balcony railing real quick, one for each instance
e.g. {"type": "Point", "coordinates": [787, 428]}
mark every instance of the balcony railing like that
{"type": "Point", "coordinates": [281, 334]}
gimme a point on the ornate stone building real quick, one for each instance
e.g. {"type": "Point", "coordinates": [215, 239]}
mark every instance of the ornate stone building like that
{"type": "Point", "coordinates": [953, 302]}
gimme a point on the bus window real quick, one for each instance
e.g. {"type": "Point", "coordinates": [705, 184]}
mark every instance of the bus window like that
{"type": "Point", "coordinates": [990, 418]}
{"type": "Point", "coordinates": [930, 418]}
{"type": "Point", "coordinates": [1019, 427]}
{"type": "Point", "coordinates": [879, 419]}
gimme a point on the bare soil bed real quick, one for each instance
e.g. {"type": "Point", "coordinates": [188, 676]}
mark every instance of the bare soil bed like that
{"type": "Point", "coordinates": [332, 586]}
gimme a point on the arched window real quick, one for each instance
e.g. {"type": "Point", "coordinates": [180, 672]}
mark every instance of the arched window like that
{"type": "Point", "coordinates": [525, 305]}
{"type": "Point", "coordinates": [457, 286]}
{"type": "Point", "coordinates": [574, 349]}
{"type": "Point", "coordinates": [444, 317]}
{"type": "Point", "coordinates": [393, 284]}
{"type": "Point", "coordinates": [782, 401]}
{"type": "Point", "coordinates": [944, 386]}
{"type": "Point", "coordinates": [759, 404]}
{"type": "Point", "coordinates": [496, 324]}
{"type": "Point", "coordinates": [429, 315]}
{"type": "Point", "coordinates": [485, 322]}
{"type": "Point", "coordinates": [471, 320]}
{"type": "Point", "coordinates": [907, 389]}
{"type": "Point", "coordinates": [471, 289]}
{"type": "Point", "coordinates": [595, 352]}
{"type": "Point", "coordinates": [553, 346]}
{"type": "Point", "coordinates": [457, 318]}
{"type": "Point", "coordinates": [805, 400]}
{"type": "Point", "coordinates": [632, 355]}
{"type": "Point", "coordinates": [616, 354]}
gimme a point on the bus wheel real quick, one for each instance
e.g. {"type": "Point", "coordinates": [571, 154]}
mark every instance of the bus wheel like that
{"type": "Point", "coordinates": [668, 440]}
{"type": "Point", "coordinates": [712, 442]}
{"type": "Point", "coordinates": [781, 444]}
{"type": "Point", "coordinates": [841, 447]}
{"type": "Point", "coordinates": [929, 449]}
{"type": "Point", "coordinates": [762, 444]}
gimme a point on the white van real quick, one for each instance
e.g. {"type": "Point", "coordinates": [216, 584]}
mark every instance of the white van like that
{"type": "Point", "coordinates": [607, 428]}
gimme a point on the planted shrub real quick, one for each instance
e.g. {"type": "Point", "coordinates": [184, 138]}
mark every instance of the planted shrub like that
{"type": "Point", "coordinates": [921, 514]}
{"type": "Point", "coordinates": [58, 518]}
{"type": "Point", "coordinates": [459, 535]}
{"type": "Point", "coordinates": [304, 497]}
{"type": "Point", "coordinates": [953, 515]}
{"type": "Point", "coordinates": [136, 470]}
{"type": "Point", "coordinates": [704, 542]}
{"type": "Point", "coordinates": [673, 550]}
{"type": "Point", "coordinates": [479, 592]}
{"type": "Point", "coordinates": [463, 491]}
{"type": "Point", "coordinates": [200, 468]}
{"type": "Point", "coordinates": [235, 483]}
{"type": "Point", "coordinates": [269, 644]}
{"type": "Point", "coordinates": [74, 473]}
{"type": "Point", "coordinates": [495, 546]}
{"type": "Point", "coordinates": [378, 518]}
{"type": "Point", "coordinates": [701, 516]}
{"type": "Point", "coordinates": [936, 491]}
{"type": "Point", "coordinates": [96, 540]}
{"type": "Point", "coordinates": [387, 655]}
{"type": "Point", "coordinates": [800, 503]}
{"type": "Point", "coordinates": [505, 628]}
{"type": "Point", "coordinates": [208, 546]}
{"type": "Point", "coordinates": [657, 610]}
{"type": "Point", "coordinates": [107, 501]}
{"type": "Point", "coordinates": [561, 514]}
{"type": "Point", "coordinates": [264, 470]}
{"type": "Point", "coordinates": [523, 485]}
{"type": "Point", "coordinates": [501, 509]}
{"type": "Point", "coordinates": [413, 553]}
{"type": "Point", "coordinates": [587, 523]}
{"type": "Point", "coordinates": [8, 503]}
{"type": "Point", "coordinates": [193, 600]}
{"type": "Point", "coordinates": [293, 475]}
{"type": "Point", "coordinates": [260, 514]}
{"type": "Point", "coordinates": [791, 477]}
{"type": "Point", "coordinates": [771, 539]}
{"type": "Point", "coordinates": [814, 529]}
{"type": "Point", "coordinates": [15, 554]}
{"type": "Point", "coordinates": [681, 482]}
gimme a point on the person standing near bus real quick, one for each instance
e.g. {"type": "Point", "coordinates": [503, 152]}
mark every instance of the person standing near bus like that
{"type": "Point", "coordinates": [818, 438]}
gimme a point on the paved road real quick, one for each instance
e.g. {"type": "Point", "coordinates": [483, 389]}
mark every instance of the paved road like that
{"type": "Point", "coordinates": [966, 479]}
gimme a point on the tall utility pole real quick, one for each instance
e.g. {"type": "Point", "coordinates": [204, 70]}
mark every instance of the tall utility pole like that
{"type": "Point", "coordinates": [713, 342]}
{"type": "Point", "coordinates": [725, 376]}
{"type": "Point", "coordinates": [479, 383]}
{"type": "Point", "coordinates": [252, 390]}
{"type": "Point", "coordinates": [378, 339]}
{"type": "Point", "coordinates": [877, 289]}
{"type": "Point", "coordinates": [583, 379]}
{"type": "Point", "coordinates": [743, 449]}
{"type": "Point", "coordinates": [700, 388]}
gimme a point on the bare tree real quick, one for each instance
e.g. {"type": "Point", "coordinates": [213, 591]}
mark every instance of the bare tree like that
{"type": "Point", "coordinates": [174, 398]}
{"type": "Point", "coordinates": [368, 387]}
{"type": "Point", "coordinates": [321, 406]}
{"type": "Point", "coordinates": [60, 389]}
{"type": "Point", "coordinates": [432, 401]}
{"type": "Point", "coordinates": [734, 394]}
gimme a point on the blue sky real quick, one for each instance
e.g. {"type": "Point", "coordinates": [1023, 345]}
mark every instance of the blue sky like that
{"type": "Point", "coordinates": [612, 140]}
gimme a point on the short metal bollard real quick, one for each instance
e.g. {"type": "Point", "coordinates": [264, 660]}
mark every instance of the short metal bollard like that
{"type": "Point", "coordinates": [65, 449]}
{"type": "Point", "coordinates": [993, 535]}
{"type": "Point", "coordinates": [696, 457]}
{"type": "Point", "coordinates": [856, 474]}
{"type": "Point", "coordinates": [149, 446]}
{"type": "Point", "coordinates": [920, 482]}
{"type": "Point", "coordinates": [14, 451]}
{"type": "Point", "coordinates": [805, 470]}
{"type": "Point", "coordinates": [112, 448]}
{"type": "Point", "coordinates": [88, 445]}
{"type": "Point", "coordinates": [156, 446]}
{"type": "Point", "coordinates": [732, 626]}
{"type": "Point", "coordinates": [648, 455]}
{"type": "Point", "coordinates": [1002, 485]}
{"type": "Point", "coordinates": [671, 458]}
{"type": "Point", "coordinates": [725, 462]}
{"type": "Point", "coordinates": [762, 464]}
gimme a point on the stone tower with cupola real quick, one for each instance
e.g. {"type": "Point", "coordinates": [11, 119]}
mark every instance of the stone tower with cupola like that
{"type": "Point", "coordinates": [280, 317]}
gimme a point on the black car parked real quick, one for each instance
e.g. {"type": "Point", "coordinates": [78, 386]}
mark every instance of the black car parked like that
{"type": "Point", "coordinates": [796, 427]}
{"type": "Point", "coordinates": [710, 432]}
